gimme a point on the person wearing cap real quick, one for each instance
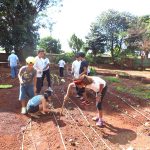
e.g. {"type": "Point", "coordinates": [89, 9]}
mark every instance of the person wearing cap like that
{"type": "Point", "coordinates": [96, 84]}
{"type": "Point", "coordinates": [13, 62]}
{"type": "Point", "coordinates": [39, 103]}
{"type": "Point", "coordinates": [27, 79]}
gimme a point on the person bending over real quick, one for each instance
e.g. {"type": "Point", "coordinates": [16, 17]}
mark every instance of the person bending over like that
{"type": "Point", "coordinates": [98, 85]}
{"type": "Point", "coordinates": [39, 103]}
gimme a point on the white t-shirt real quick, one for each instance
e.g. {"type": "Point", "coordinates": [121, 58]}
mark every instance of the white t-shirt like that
{"type": "Point", "coordinates": [75, 68]}
{"type": "Point", "coordinates": [95, 86]}
{"type": "Point", "coordinates": [13, 59]}
{"type": "Point", "coordinates": [61, 63]}
{"type": "Point", "coordinates": [46, 62]}
{"type": "Point", "coordinates": [39, 65]}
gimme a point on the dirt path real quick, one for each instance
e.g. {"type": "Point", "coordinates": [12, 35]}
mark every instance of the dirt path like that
{"type": "Point", "coordinates": [145, 74]}
{"type": "Point", "coordinates": [126, 122]}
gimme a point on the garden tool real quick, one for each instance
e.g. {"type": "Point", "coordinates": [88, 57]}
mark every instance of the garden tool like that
{"type": "Point", "coordinates": [65, 99]}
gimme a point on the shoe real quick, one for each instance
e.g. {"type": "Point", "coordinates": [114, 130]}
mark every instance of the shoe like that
{"type": "Point", "coordinates": [95, 118]}
{"type": "Point", "coordinates": [78, 96]}
{"type": "Point", "coordinates": [85, 102]}
{"type": "Point", "coordinates": [81, 98]}
{"type": "Point", "coordinates": [42, 112]}
{"type": "Point", "coordinates": [99, 123]}
{"type": "Point", "coordinates": [23, 110]}
{"type": "Point", "coordinates": [50, 89]}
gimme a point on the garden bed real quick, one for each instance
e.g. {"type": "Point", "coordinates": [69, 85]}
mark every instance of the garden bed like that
{"type": "Point", "coordinates": [124, 126]}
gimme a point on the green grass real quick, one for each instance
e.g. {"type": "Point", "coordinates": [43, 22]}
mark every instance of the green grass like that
{"type": "Point", "coordinates": [112, 79]}
{"type": "Point", "coordinates": [92, 71]}
{"type": "Point", "coordinates": [5, 86]}
{"type": "Point", "coordinates": [141, 92]}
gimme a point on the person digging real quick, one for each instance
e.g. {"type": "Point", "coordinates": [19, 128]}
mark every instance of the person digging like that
{"type": "Point", "coordinates": [98, 85]}
{"type": "Point", "coordinates": [39, 104]}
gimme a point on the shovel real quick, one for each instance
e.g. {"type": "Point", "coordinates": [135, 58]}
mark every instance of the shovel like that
{"type": "Point", "coordinates": [63, 106]}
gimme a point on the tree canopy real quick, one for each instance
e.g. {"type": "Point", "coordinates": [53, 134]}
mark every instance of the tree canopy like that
{"type": "Point", "coordinates": [50, 44]}
{"type": "Point", "coordinates": [18, 24]}
{"type": "Point", "coordinates": [109, 31]}
{"type": "Point", "coordinates": [95, 40]}
{"type": "Point", "coordinates": [75, 43]}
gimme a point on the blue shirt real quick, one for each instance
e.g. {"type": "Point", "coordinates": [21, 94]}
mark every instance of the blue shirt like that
{"type": "Point", "coordinates": [35, 101]}
{"type": "Point", "coordinates": [13, 59]}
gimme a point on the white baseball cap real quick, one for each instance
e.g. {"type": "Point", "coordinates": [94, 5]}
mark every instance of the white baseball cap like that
{"type": "Point", "coordinates": [30, 60]}
{"type": "Point", "coordinates": [12, 51]}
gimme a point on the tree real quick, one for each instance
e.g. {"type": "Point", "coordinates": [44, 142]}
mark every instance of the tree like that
{"type": "Point", "coordinates": [146, 37]}
{"type": "Point", "coordinates": [139, 35]}
{"type": "Point", "coordinates": [75, 43]}
{"type": "Point", "coordinates": [95, 41]}
{"type": "Point", "coordinates": [18, 24]}
{"type": "Point", "coordinates": [112, 24]}
{"type": "Point", "coordinates": [51, 45]}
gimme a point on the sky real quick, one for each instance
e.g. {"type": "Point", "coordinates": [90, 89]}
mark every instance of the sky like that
{"type": "Point", "coordinates": [76, 16]}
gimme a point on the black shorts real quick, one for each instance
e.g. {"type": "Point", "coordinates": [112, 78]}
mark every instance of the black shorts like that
{"type": "Point", "coordinates": [33, 109]}
{"type": "Point", "coordinates": [99, 104]}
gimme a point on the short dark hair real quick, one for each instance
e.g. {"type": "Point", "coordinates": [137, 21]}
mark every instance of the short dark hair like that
{"type": "Point", "coordinates": [81, 54]}
{"type": "Point", "coordinates": [77, 55]}
{"type": "Point", "coordinates": [41, 50]}
{"type": "Point", "coordinates": [47, 93]}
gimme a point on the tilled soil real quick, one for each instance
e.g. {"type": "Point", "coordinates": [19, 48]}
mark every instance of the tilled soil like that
{"type": "Point", "coordinates": [126, 121]}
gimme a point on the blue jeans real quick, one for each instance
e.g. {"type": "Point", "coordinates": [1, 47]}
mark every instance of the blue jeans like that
{"type": "Point", "coordinates": [26, 91]}
{"type": "Point", "coordinates": [14, 71]}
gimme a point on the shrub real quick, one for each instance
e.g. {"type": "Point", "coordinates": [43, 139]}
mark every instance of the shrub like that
{"type": "Point", "coordinates": [112, 79]}
{"type": "Point", "coordinates": [92, 71]}
{"type": "Point", "coordinates": [67, 57]}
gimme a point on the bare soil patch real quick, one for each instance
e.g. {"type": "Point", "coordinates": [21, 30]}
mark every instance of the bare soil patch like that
{"type": "Point", "coordinates": [126, 119]}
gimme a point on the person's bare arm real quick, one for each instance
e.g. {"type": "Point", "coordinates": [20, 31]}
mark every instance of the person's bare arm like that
{"type": "Point", "coordinates": [46, 66]}
{"type": "Point", "coordinates": [19, 76]}
{"type": "Point", "coordinates": [44, 105]}
{"type": "Point", "coordinates": [84, 71]}
{"type": "Point", "coordinates": [34, 82]}
{"type": "Point", "coordinates": [69, 91]}
{"type": "Point", "coordinates": [99, 94]}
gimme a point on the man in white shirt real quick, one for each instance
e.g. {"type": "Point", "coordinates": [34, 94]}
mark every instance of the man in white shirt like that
{"type": "Point", "coordinates": [61, 64]}
{"type": "Point", "coordinates": [46, 72]}
{"type": "Point", "coordinates": [13, 63]}
{"type": "Point", "coordinates": [39, 66]}
{"type": "Point", "coordinates": [76, 67]}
